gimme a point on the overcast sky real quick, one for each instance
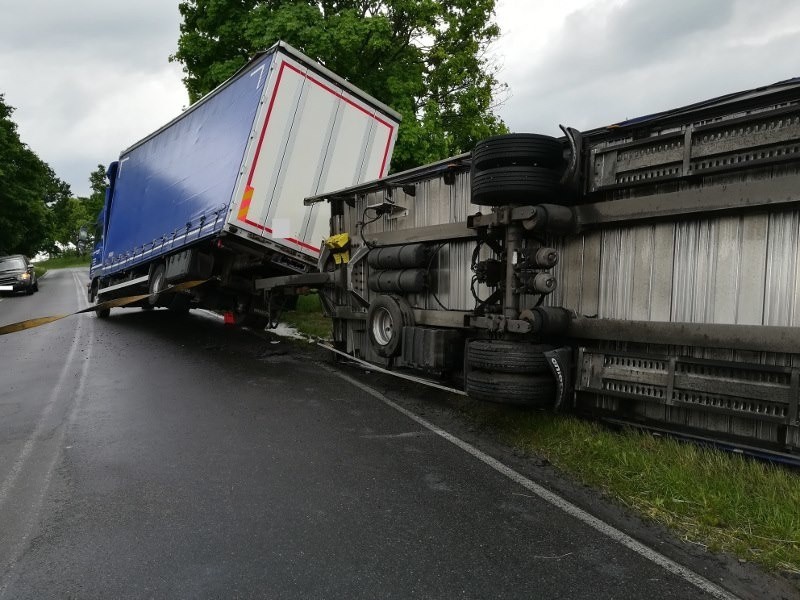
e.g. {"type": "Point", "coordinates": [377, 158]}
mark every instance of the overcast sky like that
{"type": "Point", "coordinates": [90, 77]}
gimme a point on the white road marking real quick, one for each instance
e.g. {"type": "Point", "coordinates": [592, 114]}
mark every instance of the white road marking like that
{"type": "Point", "coordinates": [33, 511]}
{"type": "Point", "coordinates": [27, 448]}
{"type": "Point", "coordinates": [578, 513]}
{"type": "Point", "coordinates": [395, 436]}
{"type": "Point", "coordinates": [372, 367]}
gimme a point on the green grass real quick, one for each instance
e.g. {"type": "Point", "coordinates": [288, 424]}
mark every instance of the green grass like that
{"type": "Point", "coordinates": [721, 501]}
{"type": "Point", "coordinates": [61, 262]}
{"type": "Point", "coordinates": [307, 318]}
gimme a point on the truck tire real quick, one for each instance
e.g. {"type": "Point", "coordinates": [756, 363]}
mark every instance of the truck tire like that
{"type": "Point", "coordinates": [157, 282]}
{"type": "Point", "coordinates": [386, 318]}
{"type": "Point", "coordinates": [103, 313]}
{"type": "Point", "coordinates": [516, 185]}
{"type": "Point", "coordinates": [512, 388]}
{"type": "Point", "coordinates": [518, 149]}
{"type": "Point", "coordinates": [507, 357]}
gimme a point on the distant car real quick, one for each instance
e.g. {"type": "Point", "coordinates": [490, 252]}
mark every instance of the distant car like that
{"type": "Point", "coordinates": [17, 275]}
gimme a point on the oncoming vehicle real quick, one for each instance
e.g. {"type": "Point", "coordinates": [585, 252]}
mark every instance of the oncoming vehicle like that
{"type": "Point", "coordinates": [17, 275]}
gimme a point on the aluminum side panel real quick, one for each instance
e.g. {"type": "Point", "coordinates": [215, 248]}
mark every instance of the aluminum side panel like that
{"type": "Point", "coordinates": [661, 273]}
{"type": "Point", "coordinates": [312, 136]}
{"type": "Point", "coordinates": [742, 269]}
{"type": "Point", "coordinates": [356, 124]}
{"type": "Point", "coordinates": [257, 188]}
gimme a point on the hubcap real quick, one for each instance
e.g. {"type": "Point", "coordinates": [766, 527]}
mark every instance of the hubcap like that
{"type": "Point", "coordinates": [382, 327]}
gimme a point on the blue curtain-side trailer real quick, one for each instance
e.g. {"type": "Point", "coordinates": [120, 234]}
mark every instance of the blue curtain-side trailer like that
{"type": "Point", "coordinates": [217, 193]}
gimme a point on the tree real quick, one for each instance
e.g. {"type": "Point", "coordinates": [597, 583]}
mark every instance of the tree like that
{"type": "Point", "coordinates": [70, 214]}
{"type": "Point", "coordinates": [97, 183]}
{"type": "Point", "coordinates": [424, 58]}
{"type": "Point", "coordinates": [27, 185]}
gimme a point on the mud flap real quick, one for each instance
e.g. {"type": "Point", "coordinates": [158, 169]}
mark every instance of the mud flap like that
{"type": "Point", "coordinates": [560, 362]}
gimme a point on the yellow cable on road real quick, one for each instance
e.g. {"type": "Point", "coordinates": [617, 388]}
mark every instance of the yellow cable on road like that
{"type": "Point", "coordinates": [116, 303]}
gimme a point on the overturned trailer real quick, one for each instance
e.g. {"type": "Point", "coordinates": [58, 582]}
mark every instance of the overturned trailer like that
{"type": "Point", "coordinates": [648, 271]}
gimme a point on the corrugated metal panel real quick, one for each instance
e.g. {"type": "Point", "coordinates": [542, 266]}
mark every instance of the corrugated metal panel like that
{"type": "Point", "coordinates": [434, 203]}
{"type": "Point", "coordinates": [735, 270]}
{"type": "Point", "coordinates": [781, 286]}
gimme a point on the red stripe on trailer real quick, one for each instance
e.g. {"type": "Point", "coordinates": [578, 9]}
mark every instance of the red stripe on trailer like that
{"type": "Point", "coordinates": [293, 240]}
{"type": "Point", "coordinates": [264, 129]}
{"type": "Point", "coordinates": [355, 105]}
{"type": "Point", "coordinates": [244, 208]}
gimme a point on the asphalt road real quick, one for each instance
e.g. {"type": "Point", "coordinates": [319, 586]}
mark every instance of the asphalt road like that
{"type": "Point", "coordinates": [144, 457]}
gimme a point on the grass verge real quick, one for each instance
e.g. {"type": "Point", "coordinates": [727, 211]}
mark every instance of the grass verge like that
{"type": "Point", "coordinates": [61, 262]}
{"type": "Point", "coordinates": [307, 317]}
{"type": "Point", "coordinates": [718, 500]}
{"type": "Point", "coordinates": [721, 501]}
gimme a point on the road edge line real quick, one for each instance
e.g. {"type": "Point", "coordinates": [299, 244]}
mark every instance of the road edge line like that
{"type": "Point", "coordinates": [554, 499]}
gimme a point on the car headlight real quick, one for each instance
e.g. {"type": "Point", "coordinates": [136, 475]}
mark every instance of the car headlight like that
{"type": "Point", "coordinates": [24, 276]}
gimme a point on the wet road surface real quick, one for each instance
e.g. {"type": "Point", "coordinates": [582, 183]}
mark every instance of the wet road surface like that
{"type": "Point", "coordinates": [143, 456]}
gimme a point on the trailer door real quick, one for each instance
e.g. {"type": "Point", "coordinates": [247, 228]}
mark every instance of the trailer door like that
{"type": "Point", "coordinates": [312, 135]}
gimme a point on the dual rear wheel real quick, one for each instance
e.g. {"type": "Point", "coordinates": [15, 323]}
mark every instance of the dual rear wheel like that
{"type": "Point", "coordinates": [517, 169]}
{"type": "Point", "coordinates": [509, 373]}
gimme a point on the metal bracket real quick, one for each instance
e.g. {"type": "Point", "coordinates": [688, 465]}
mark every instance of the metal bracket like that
{"type": "Point", "coordinates": [499, 324]}
{"type": "Point", "coordinates": [356, 258]}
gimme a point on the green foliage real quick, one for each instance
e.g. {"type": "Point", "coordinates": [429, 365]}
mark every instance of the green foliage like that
{"type": "Point", "coordinates": [424, 58]}
{"type": "Point", "coordinates": [71, 214]}
{"type": "Point", "coordinates": [97, 183]}
{"type": "Point", "coordinates": [308, 318]}
{"type": "Point", "coordinates": [61, 262]}
{"type": "Point", "coordinates": [27, 185]}
{"type": "Point", "coordinates": [37, 209]}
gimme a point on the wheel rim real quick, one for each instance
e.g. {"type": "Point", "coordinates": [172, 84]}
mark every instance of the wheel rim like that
{"type": "Point", "coordinates": [382, 327]}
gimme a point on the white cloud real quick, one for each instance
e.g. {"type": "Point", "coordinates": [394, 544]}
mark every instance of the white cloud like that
{"type": "Point", "coordinates": [89, 78]}
{"type": "Point", "coordinates": [611, 60]}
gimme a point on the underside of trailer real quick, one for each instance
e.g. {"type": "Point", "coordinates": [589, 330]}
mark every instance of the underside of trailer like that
{"type": "Point", "coordinates": [646, 272]}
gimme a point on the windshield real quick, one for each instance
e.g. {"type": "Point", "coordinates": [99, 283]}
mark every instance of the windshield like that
{"type": "Point", "coordinates": [11, 262]}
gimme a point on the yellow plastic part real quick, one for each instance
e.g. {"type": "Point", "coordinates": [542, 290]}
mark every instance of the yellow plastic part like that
{"type": "Point", "coordinates": [338, 241]}
{"type": "Point", "coordinates": [339, 245]}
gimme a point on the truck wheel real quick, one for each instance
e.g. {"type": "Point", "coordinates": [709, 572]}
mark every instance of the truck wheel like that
{"type": "Point", "coordinates": [515, 185]}
{"type": "Point", "coordinates": [92, 293]}
{"type": "Point", "coordinates": [386, 318]}
{"type": "Point", "coordinates": [158, 282]}
{"type": "Point", "coordinates": [103, 313]}
{"type": "Point", "coordinates": [512, 388]}
{"type": "Point", "coordinates": [507, 357]}
{"type": "Point", "coordinates": [518, 149]}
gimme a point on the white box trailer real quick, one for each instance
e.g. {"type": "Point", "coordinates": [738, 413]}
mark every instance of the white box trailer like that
{"type": "Point", "coordinates": [645, 272]}
{"type": "Point", "coordinates": [218, 192]}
